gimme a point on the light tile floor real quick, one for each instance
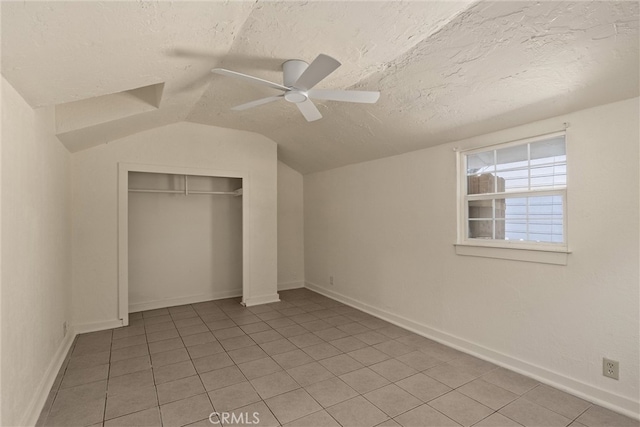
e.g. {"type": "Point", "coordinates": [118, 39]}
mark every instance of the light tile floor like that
{"type": "Point", "coordinates": [305, 361]}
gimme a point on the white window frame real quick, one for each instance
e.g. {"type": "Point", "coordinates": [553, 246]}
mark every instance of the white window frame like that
{"type": "Point", "coordinates": [508, 249]}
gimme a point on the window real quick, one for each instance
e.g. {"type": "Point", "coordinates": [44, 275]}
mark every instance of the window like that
{"type": "Point", "coordinates": [514, 195]}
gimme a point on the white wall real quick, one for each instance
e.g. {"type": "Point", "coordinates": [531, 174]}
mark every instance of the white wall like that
{"type": "Point", "coordinates": [183, 247]}
{"type": "Point", "coordinates": [290, 228]}
{"type": "Point", "coordinates": [36, 255]}
{"type": "Point", "coordinates": [2, 107]}
{"type": "Point", "coordinates": [385, 230]}
{"type": "Point", "coordinates": [183, 145]}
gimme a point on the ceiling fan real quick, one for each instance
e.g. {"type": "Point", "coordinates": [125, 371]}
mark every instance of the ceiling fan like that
{"type": "Point", "coordinates": [299, 79]}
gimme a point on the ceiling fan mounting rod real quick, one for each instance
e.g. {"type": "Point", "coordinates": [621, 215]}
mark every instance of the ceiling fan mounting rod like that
{"type": "Point", "coordinates": [292, 70]}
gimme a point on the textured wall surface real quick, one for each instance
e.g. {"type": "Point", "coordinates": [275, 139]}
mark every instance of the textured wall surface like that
{"type": "Point", "coordinates": [36, 252]}
{"type": "Point", "coordinates": [290, 228]}
{"type": "Point", "coordinates": [185, 145]}
{"type": "Point", "coordinates": [385, 231]}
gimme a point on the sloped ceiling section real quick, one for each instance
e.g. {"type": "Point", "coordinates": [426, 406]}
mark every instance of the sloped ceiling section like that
{"type": "Point", "coordinates": [446, 70]}
{"type": "Point", "coordinates": [61, 52]}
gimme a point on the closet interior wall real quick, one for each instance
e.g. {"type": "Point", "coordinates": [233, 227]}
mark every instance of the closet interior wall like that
{"type": "Point", "coordinates": [183, 247]}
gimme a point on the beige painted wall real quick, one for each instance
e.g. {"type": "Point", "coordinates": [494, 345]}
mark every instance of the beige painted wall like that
{"type": "Point", "coordinates": [36, 253]}
{"type": "Point", "coordinates": [183, 145]}
{"type": "Point", "coordinates": [385, 230]}
{"type": "Point", "coordinates": [290, 228]}
{"type": "Point", "coordinates": [183, 248]}
{"type": "Point", "coordinates": [2, 107]}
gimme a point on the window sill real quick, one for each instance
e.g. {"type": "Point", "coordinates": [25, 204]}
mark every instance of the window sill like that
{"type": "Point", "coordinates": [528, 255]}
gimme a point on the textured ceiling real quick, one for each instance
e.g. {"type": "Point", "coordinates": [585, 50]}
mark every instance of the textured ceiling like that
{"type": "Point", "coordinates": [446, 70]}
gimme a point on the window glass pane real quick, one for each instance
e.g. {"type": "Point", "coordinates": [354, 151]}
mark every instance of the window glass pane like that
{"type": "Point", "coordinates": [515, 230]}
{"type": "Point", "coordinates": [549, 177]}
{"type": "Point", "coordinates": [513, 180]}
{"type": "Point", "coordinates": [516, 209]}
{"type": "Point", "coordinates": [481, 209]}
{"type": "Point", "coordinates": [540, 228]}
{"type": "Point", "coordinates": [499, 226]}
{"type": "Point", "coordinates": [544, 204]}
{"type": "Point", "coordinates": [484, 183]}
{"type": "Point", "coordinates": [560, 181]}
{"type": "Point", "coordinates": [525, 219]}
{"type": "Point", "coordinates": [480, 162]}
{"type": "Point", "coordinates": [499, 213]}
{"type": "Point", "coordinates": [535, 219]}
{"type": "Point", "coordinates": [481, 229]}
{"type": "Point", "coordinates": [512, 157]}
{"type": "Point", "coordinates": [548, 149]}
{"type": "Point", "coordinates": [482, 214]}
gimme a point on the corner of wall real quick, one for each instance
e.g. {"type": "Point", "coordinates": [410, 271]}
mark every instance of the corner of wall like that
{"type": "Point", "coordinates": [35, 203]}
{"type": "Point", "coordinates": [39, 399]}
{"type": "Point", "coordinates": [409, 242]}
{"type": "Point", "coordinates": [296, 284]}
{"type": "Point", "coordinates": [290, 228]}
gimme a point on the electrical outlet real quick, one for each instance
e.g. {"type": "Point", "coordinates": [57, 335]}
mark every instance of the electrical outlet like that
{"type": "Point", "coordinates": [331, 280]}
{"type": "Point", "coordinates": [611, 368]}
{"type": "Point", "coordinates": [64, 329]}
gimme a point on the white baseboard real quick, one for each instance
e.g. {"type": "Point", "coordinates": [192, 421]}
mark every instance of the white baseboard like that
{"type": "Point", "coordinates": [192, 299]}
{"type": "Point", "coordinates": [83, 328]}
{"type": "Point", "coordinates": [263, 299]}
{"type": "Point", "coordinates": [285, 286]}
{"type": "Point", "coordinates": [42, 393]}
{"type": "Point", "coordinates": [617, 403]}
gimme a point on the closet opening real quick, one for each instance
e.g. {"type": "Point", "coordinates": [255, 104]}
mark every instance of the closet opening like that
{"type": "Point", "coordinates": [181, 237]}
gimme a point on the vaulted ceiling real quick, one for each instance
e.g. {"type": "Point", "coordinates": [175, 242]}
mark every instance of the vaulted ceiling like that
{"type": "Point", "coordinates": [446, 69]}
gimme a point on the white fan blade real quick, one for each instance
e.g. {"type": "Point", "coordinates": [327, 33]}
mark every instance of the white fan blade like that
{"type": "Point", "coordinates": [320, 68]}
{"type": "Point", "coordinates": [309, 110]}
{"type": "Point", "coordinates": [362, 96]}
{"type": "Point", "coordinates": [248, 78]}
{"type": "Point", "coordinates": [257, 102]}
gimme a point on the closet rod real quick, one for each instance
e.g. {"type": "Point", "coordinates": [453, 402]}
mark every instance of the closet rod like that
{"type": "Point", "coordinates": [230, 193]}
{"type": "Point", "coordinates": [186, 191]}
{"type": "Point", "coordinates": [134, 190]}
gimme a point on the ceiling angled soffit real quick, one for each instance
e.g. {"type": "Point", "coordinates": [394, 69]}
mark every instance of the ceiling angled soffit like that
{"type": "Point", "coordinates": [63, 52]}
{"type": "Point", "coordinates": [493, 66]}
{"type": "Point", "coordinates": [75, 115]}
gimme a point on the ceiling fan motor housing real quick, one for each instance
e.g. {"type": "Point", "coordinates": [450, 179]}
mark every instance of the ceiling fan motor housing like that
{"type": "Point", "coordinates": [299, 79]}
{"type": "Point", "coordinates": [292, 70]}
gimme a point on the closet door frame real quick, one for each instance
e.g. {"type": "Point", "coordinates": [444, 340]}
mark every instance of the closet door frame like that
{"type": "Point", "coordinates": [123, 222]}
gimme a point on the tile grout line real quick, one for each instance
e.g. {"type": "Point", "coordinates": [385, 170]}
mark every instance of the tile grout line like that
{"type": "Point", "coordinates": [206, 392]}
{"type": "Point", "coordinates": [106, 392]}
{"type": "Point", "coordinates": [153, 371]}
{"type": "Point", "coordinates": [352, 315]}
{"type": "Point", "coordinates": [579, 415]}
{"type": "Point", "coordinates": [282, 370]}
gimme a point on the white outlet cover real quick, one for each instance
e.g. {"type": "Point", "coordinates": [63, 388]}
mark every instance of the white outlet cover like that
{"type": "Point", "coordinates": [611, 368]}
